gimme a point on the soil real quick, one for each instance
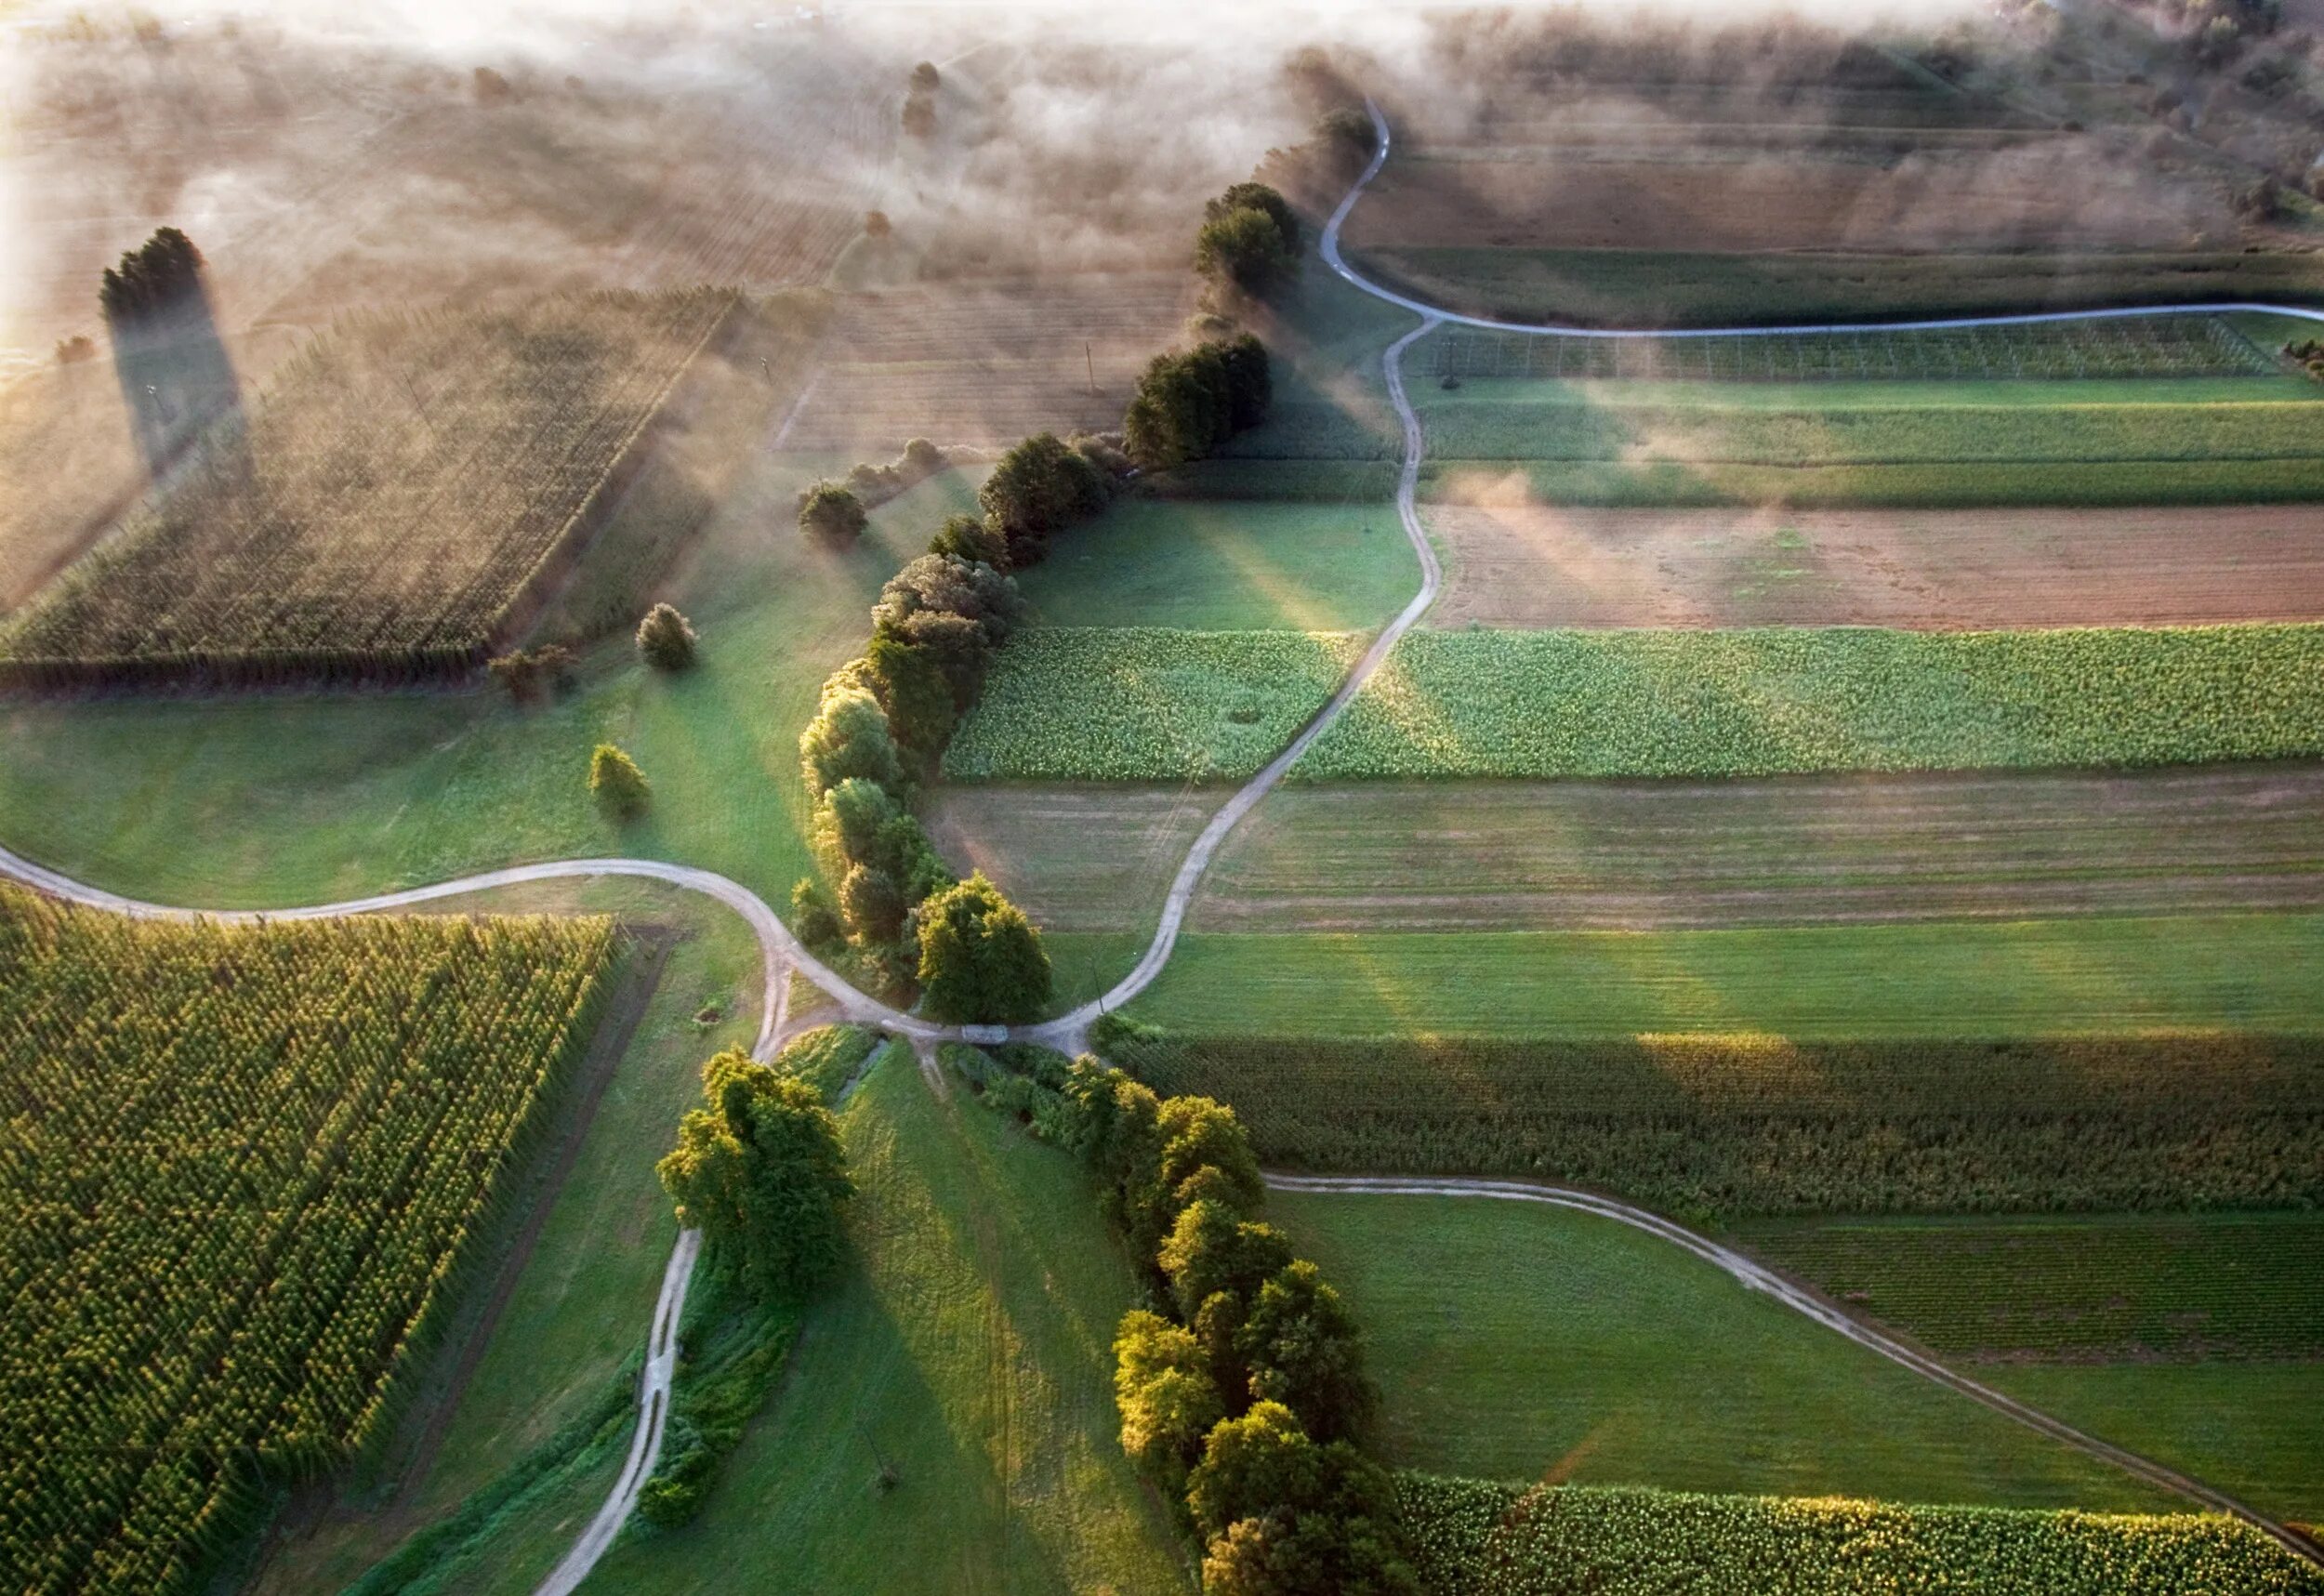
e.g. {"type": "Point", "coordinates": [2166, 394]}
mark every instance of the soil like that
{"type": "Point", "coordinates": [1923, 570]}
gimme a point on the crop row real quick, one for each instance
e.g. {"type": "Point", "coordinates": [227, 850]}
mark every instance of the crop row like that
{"type": "Point", "coordinates": [1113, 703]}
{"type": "Point", "coordinates": [2209, 1286]}
{"type": "Point", "coordinates": [1471, 1538]}
{"type": "Point", "coordinates": [1761, 702]}
{"type": "Point", "coordinates": [2132, 347]}
{"type": "Point", "coordinates": [242, 1165]}
{"type": "Point", "coordinates": [1661, 483]}
{"type": "Point", "coordinates": [392, 497]}
{"type": "Point", "coordinates": [1714, 1125]}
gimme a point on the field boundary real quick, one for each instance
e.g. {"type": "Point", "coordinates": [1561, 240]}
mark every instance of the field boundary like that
{"type": "Point", "coordinates": [1755, 1277]}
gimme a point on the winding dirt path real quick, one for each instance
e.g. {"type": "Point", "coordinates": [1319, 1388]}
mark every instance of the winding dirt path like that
{"type": "Point", "coordinates": [781, 951]}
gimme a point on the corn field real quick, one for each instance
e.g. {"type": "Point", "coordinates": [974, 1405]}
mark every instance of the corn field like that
{"type": "Point", "coordinates": [386, 508]}
{"type": "Point", "coordinates": [1471, 1538]}
{"type": "Point", "coordinates": [242, 1163]}
{"type": "Point", "coordinates": [1712, 1125]}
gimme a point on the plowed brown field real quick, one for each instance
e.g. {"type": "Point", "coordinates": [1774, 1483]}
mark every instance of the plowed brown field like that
{"type": "Point", "coordinates": [1928, 570]}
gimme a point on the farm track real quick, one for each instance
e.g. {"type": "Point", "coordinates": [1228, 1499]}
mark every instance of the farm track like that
{"type": "Point", "coordinates": [781, 951]}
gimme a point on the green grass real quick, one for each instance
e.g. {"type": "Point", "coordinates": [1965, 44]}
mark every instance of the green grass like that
{"type": "Point", "coordinates": [260, 801]}
{"type": "Point", "coordinates": [2008, 979]}
{"type": "Point", "coordinates": [1628, 288]}
{"type": "Point", "coordinates": [1111, 704]}
{"type": "Point", "coordinates": [1226, 567]}
{"type": "Point", "coordinates": [1766, 701]}
{"type": "Point", "coordinates": [967, 1345]}
{"type": "Point", "coordinates": [1729, 1125]}
{"type": "Point", "coordinates": [1473, 1537]}
{"type": "Point", "coordinates": [2183, 1288]}
{"type": "Point", "coordinates": [1514, 1342]}
{"type": "Point", "coordinates": [1936, 486]}
{"type": "Point", "coordinates": [2249, 1428]}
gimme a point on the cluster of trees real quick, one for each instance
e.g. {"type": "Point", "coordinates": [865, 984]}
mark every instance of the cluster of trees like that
{"type": "Point", "coordinates": [530, 675]}
{"type": "Point", "coordinates": [1246, 1394]}
{"type": "Point", "coordinates": [1038, 489]}
{"type": "Point", "coordinates": [1249, 241]}
{"type": "Point", "coordinates": [159, 276]}
{"type": "Point", "coordinates": [919, 100]}
{"type": "Point", "coordinates": [836, 511]}
{"type": "Point", "coordinates": [1190, 402]}
{"type": "Point", "coordinates": [882, 725]}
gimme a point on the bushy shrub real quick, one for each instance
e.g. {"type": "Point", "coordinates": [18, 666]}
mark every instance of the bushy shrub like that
{"type": "Point", "coordinates": [666, 641]}
{"type": "Point", "coordinates": [616, 783]}
{"type": "Point", "coordinates": [828, 511]}
{"type": "Point", "coordinates": [530, 675]}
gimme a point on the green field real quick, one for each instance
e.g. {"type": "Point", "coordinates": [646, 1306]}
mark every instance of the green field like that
{"type": "Point", "coordinates": [2009, 979]}
{"type": "Point", "coordinates": [1631, 287]}
{"type": "Point", "coordinates": [1764, 701]}
{"type": "Point", "coordinates": [1112, 703]}
{"type": "Point", "coordinates": [1478, 1538]}
{"type": "Point", "coordinates": [1516, 1341]}
{"type": "Point", "coordinates": [1935, 486]}
{"type": "Point", "coordinates": [1226, 567]}
{"type": "Point", "coordinates": [287, 800]}
{"type": "Point", "coordinates": [964, 1345]}
{"type": "Point", "coordinates": [1711, 1124]}
{"type": "Point", "coordinates": [2180, 1288]}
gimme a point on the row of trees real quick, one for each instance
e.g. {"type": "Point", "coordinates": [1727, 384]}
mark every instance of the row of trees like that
{"type": "Point", "coordinates": [1249, 241]}
{"type": "Point", "coordinates": [1189, 401]}
{"type": "Point", "coordinates": [1245, 1395]}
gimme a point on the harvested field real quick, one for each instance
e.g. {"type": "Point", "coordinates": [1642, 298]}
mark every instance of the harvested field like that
{"type": "Point", "coordinates": [985, 364]}
{"type": "Point", "coordinates": [1647, 855]}
{"type": "Point", "coordinates": [1075, 858]}
{"type": "Point", "coordinates": [1537, 565]}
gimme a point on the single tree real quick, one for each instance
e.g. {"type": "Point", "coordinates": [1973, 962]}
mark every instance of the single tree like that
{"type": "Point", "coordinates": [1163, 1390]}
{"type": "Point", "coordinates": [849, 737]}
{"type": "Point", "coordinates": [1211, 1249]}
{"type": "Point", "coordinates": [666, 641]}
{"type": "Point", "coordinates": [758, 1170]}
{"type": "Point", "coordinates": [925, 78]}
{"type": "Point", "coordinates": [619, 787]}
{"type": "Point", "coordinates": [1301, 1347]}
{"type": "Point", "coordinates": [873, 904]}
{"type": "Point", "coordinates": [828, 511]}
{"type": "Point", "coordinates": [1038, 489]}
{"type": "Point", "coordinates": [915, 691]}
{"type": "Point", "coordinates": [813, 920]}
{"type": "Point", "coordinates": [980, 959]}
{"type": "Point", "coordinates": [876, 225]}
{"type": "Point", "coordinates": [1258, 197]}
{"type": "Point", "coordinates": [1244, 248]}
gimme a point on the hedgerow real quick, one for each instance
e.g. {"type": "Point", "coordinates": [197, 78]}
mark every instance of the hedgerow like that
{"type": "Point", "coordinates": [1772, 700]}
{"type": "Point", "coordinates": [1145, 702]}
{"type": "Point", "coordinates": [1471, 1538]}
{"type": "Point", "coordinates": [1758, 1125]}
{"type": "Point", "coordinates": [242, 1166]}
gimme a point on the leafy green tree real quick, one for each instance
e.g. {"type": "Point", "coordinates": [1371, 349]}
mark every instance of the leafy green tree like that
{"type": "Point", "coordinates": [831, 514]}
{"type": "Point", "coordinates": [617, 784]}
{"type": "Point", "coordinates": [1249, 381]}
{"type": "Point", "coordinates": [1303, 1348]}
{"type": "Point", "coordinates": [854, 818]}
{"type": "Point", "coordinates": [760, 1171]}
{"type": "Point", "coordinates": [849, 737]}
{"type": "Point", "coordinates": [1163, 1389]}
{"type": "Point", "coordinates": [1251, 1466]}
{"type": "Point", "coordinates": [915, 691]}
{"type": "Point", "coordinates": [971, 537]}
{"type": "Point", "coordinates": [813, 920]}
{"type": "Point", "coordinates": [951, 584]}
{"type": "Point", "coordinates": [666, 641]}
{"type": "Point", "coordinates": [1244, 248]}
{"type": "Point", "coordinates": [1262, 198]}
{"type": "Point", "coordinates": [980, 959]}
{"type": "Point", "coordinates": [1213, 1249]}
{"type": "Point", "coordinates": [1038, 489]}
{"type": "Point", "coordinates": [873, 903]}
{"type": "Point", "coordinates": [1323, 1516]}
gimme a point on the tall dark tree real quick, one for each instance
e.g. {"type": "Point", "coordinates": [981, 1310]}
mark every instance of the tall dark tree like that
{"type": "Point", "coordinates": [758, 1170]}
{"type": "Point", "coordinates": [1038, 488]}
{"type": "Point", "coordinates": [980, 959]}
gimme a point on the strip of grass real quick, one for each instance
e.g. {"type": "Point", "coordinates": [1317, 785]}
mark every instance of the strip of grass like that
{"type": "Point", "coordinates": [1226, 567]}
{"type": "Point", "coordinates": [1935, 486]}
{"type": "Point", "coordinates": [1767, 701]}
{"type": "Point", "coordinates": [1113, 703]}
{"type": "Point", "coordinates": [1631, 287]}
{"type": "Point", "coordinates": [1517, 1341]}
{"type": "Point", "coordinates": [2033, 978]}
{"type": "Point", "coordinates": [1475, 1538]}
{"type": "Point", "coordinates": [2249, 1428]}
{"type": "Point", "coordinates": [1710, 1124]}
{"type": "Point", "coordinates": [966, 1345]}
{"type": "Point", "coordinates": [2186, 1288]}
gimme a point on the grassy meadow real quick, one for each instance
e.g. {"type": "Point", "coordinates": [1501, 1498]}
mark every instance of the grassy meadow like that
{"type": "Point", "coordinates": [965, 1346]}
{"type": "Point", "coordinates": [1514, 1342]}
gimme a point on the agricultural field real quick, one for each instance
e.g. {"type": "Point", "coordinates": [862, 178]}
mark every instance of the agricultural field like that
{"type": "Point", "coordinates": [1521, 566]}
{"type": "Point", "coordinates": [372, 1081]}
{"type": "Point", "coordinates": [964, 1346]}
{"type": "Point", "coordinates": [1098, 704]}
{"type": "Point", "coordinates": [1978, 980]}
{"type": "Point", "coordinates": [1752, 1124]}
{"type": "Point", "coordinates": [1772, 700]}
{"type": "Point", "coordinates": [1516, 1341]}
{"type": "Point", "coordinates": [2178, 1287]}
{"type": "Point", "coordinates": [1480, 1538]}
{"type": "Point", "coordinates": [339, 535]}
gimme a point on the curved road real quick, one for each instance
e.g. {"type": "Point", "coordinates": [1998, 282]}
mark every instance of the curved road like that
{"type": "Point", "coordinates": [781, 951]}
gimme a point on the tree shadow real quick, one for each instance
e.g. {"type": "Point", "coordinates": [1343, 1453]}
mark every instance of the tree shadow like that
{"type": "Point", "coordinates": [178, 382]}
